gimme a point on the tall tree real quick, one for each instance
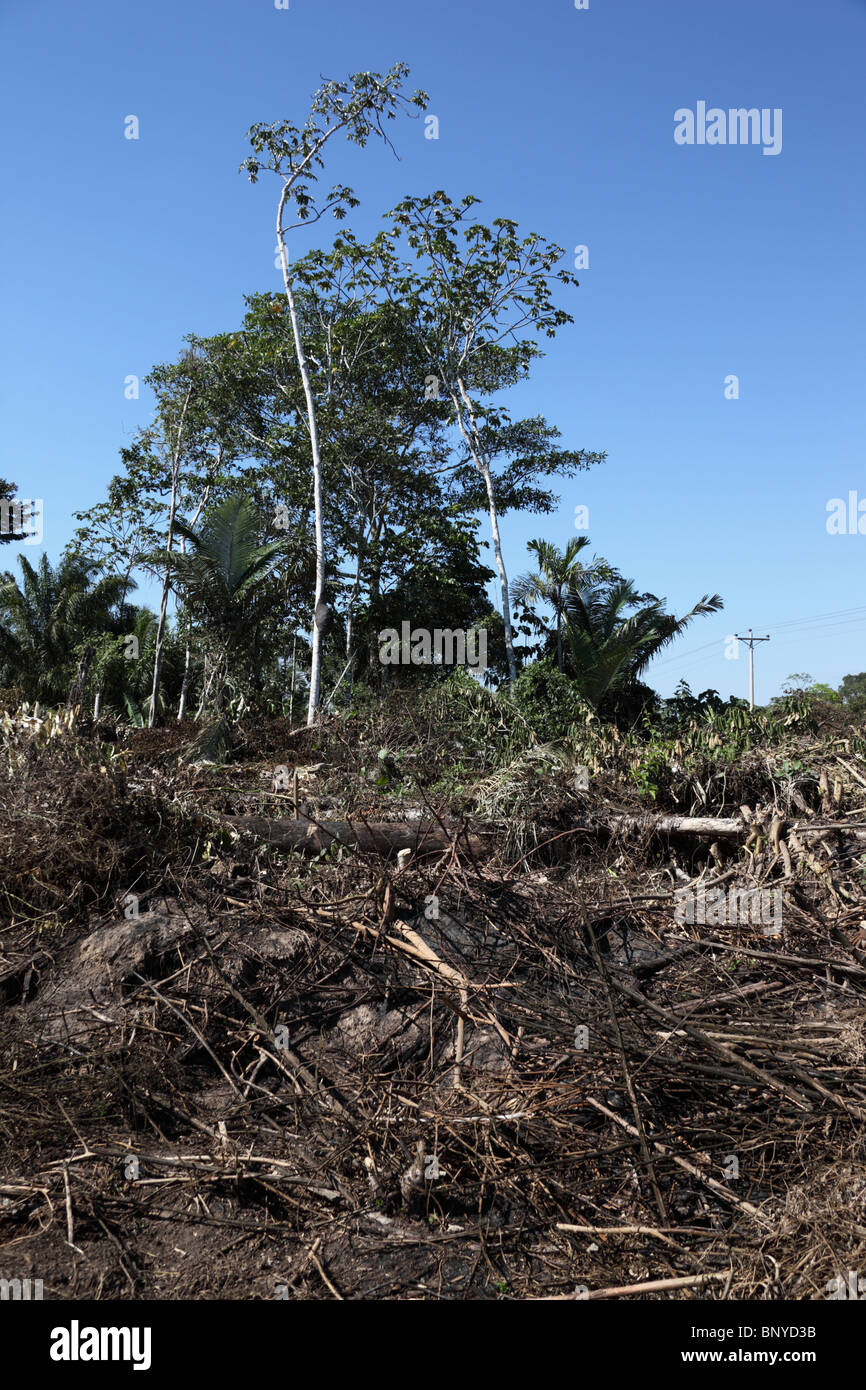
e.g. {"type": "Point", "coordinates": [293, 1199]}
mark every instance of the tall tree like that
{"type": "Point", "coordinates": [386, 462]}
{"type": "Point", "coordinates": [295, 155]}
{"type": "Point", "coordinates": [173, 464]}
{"type": "Point", "coordinates": [480, 290]}
{"type": "Point", "coordinates": [852, 692]}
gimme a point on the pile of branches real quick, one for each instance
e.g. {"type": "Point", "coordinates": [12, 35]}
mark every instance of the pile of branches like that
{"type": "Point", "coordinates": [75, 834]}
{"type": "Point", "coordinates": [455, 1063]}
{"type": "Point", "coordinates": [434, 1082]}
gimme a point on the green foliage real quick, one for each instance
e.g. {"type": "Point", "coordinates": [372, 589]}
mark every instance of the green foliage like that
{"type": "Point", "coordinates": [558, 571]}
{"type": "Point", "coordinates": [221, 577]}
{"type": "Point", "coordinates": [614, 632]}
{"type": "Point", "coordinates": [226, 563]}
{"type": "Point", "coordinates": [211, 744]}
{"type": "Point", "coordinates": [136, 713]}
{"type": "Point", "coordinates": [47, 618]}
{"type": "Point", "coordinates": [650, 774]}
{"type": "Point", "coordinates": [481, 730]}
{"type": "Point", "coordinates": [685, 709]}
{"type": "Point", "coordinates": [852, 693]}
{"type": "Point", "coordinates": [801, 688]}
{"type": "Point", "coordinates": [547, 699]}
{"type": "Point", "coordinates": [805, 703]}
{"type": "Point", "coordinates": [356, 107]}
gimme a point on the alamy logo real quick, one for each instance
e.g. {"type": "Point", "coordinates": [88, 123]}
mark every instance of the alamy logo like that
{"type": "Point", "coordinates": [737, 126]}
{"type": "Point", "coordinates": [19, 1290]}
{"type": "Point", "coordinates": [22, 518]}
{"type": "Point", "coordinates": [77, 1343]}
{"type": "Point", "coordinates": [739, 907]}
{"type": "Point", "coordinates": [444, 647]}
{"type": "Point", "coordinates": [852, 1285]}
{"type": "Point", "coordinates": [847, 520]}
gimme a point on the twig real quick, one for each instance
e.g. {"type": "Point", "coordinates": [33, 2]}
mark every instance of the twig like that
{"type": "Point", "coordinates": [192, 1028]}
{"type": "Point", "coordinates": [651, 1286]}
{"type": "Point", "coordinates": [317, 1262]}
{"type": "Point", "coordinates": [70, 1227]}
{"type": "Point", "coordinates": [716, 1187]}
{"type": "Point", "coordinates": [626, 1071]}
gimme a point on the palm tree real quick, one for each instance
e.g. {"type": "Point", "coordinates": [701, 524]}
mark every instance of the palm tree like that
{"type": "Point", "coordinates": [122, 660]}
{"type": "Point", "coordinates": [220, 574]}
{"type": "Point", "coordinates": [611, 647]}
{"type": "Point", "coordinates": [50, 614]}
{"type": "Point", "coordinates": [558, 571]}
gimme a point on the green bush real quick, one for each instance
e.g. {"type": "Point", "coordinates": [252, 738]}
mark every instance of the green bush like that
{"type": "Point", "coordinates": [548, 700]}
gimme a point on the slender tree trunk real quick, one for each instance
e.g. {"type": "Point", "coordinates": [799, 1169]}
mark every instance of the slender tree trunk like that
{"type": "Point", "coordinates": [473, 443]}
{"type": "Point", "coordinates": [350, 615]}
{"type": "Point", "coordinates": [134, 548]}
{"type": "Point", "coordinates": [221, 671]}
{"type": "Point", "coordinates": [181, 704]}
{"type": "Point", "coordinates": [503, 578]}
{"type": "Point", "coordinates": [207, 682]}
{"type": "Point", "coordinates": [375, 586]}
{"type": "Point", "coordinates": [160, 629]}
{"type": "Point", "coordinates": [316, 661]}
{"type": "Point", "coordinates": [76, 692]}
{"type": "Point", "coordinates": [163, 605]}
{"type": "Point", "coordinates": [346, 670]}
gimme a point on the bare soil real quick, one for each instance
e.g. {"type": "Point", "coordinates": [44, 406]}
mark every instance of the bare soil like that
{"type": "Point", "coordinates": [232, 1070]}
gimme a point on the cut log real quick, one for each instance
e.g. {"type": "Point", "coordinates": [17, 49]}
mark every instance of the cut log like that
{"type": "Point", "coordinates": [382, 837]}
{"type": "Point", "coordinates": [428, 838]}
{"type": "Point", "coordinates": [724, 827]}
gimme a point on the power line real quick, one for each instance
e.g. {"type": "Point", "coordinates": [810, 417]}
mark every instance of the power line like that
{"type": "Point", "coordinates": [665, 660]}
{"type": "Point", "coordinates": [826, 619]}
{"type": "Point", "coordinates": [818, 618]}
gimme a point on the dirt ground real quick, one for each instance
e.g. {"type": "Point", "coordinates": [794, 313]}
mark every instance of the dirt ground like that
{"type": "Point", "coordinates": [234, 1070]}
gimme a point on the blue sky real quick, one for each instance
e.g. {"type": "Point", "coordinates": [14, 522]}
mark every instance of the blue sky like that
{"type": "Point", "coordinates": [705, 261]}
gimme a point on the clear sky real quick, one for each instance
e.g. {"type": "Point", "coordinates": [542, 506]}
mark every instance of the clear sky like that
{"type": "Point", "coordinates": [706, 261]}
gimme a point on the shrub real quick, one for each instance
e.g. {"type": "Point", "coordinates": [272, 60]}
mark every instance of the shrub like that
{"type": "Point", "coordinates": [548, 700]}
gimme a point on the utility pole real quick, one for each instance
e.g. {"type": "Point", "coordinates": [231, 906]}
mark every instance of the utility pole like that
{"type": "Point", "coordinates": [751, 641]}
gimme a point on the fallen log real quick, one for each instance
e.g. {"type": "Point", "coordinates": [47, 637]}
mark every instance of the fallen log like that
{"type": "Point", "coordinates": [381, 837]}
{"type": "Point", "coordinates": [430, 838]}
{"type": "Point", "coordinates": [425, 838]}
{"type": "Point", "coordinates": [720, 827]}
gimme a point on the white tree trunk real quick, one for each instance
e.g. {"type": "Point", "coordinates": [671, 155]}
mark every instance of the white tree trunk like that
{"type": "Point", "coordinates": [316, 661]}
{"type": "Point", "coordinates": [503, 577]}
{"type": "Point", "coordinates": [207, 681]}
